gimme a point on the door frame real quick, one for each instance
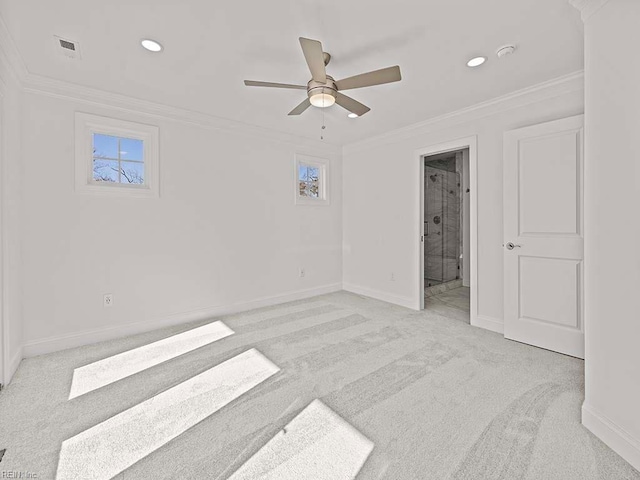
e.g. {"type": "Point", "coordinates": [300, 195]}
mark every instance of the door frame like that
{"type": "Point", "coordinates": [459, 144]}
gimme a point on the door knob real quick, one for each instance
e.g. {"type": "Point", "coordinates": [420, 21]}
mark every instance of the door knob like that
{"type": "Point", "coordinates": [511, 246]}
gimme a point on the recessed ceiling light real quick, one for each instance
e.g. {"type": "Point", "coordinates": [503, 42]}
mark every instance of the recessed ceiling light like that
{"type": "Point", "coordinates": [353, 115]}
{"type": "Point", "coordinates": [476, 62]}
{"type": "Point", "coordinates": [151, 45]}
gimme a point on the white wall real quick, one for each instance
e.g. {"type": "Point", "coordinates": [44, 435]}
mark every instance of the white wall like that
{"type": "Point", "coordinates": [3, 348]}
{"type": "Point", "coordinates": [612, 257]}
{"type": "Point", "coordinates": [10, 212]}
{"type": "Point", "coordinates": [381, 194]}
{"type": "Point", "coordinates": [224, 234]}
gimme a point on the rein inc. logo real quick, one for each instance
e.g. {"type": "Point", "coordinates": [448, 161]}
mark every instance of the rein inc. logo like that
{"type": "Point", "coordinates": [14, 473]}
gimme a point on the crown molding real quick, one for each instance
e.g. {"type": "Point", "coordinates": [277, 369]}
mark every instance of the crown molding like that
{"type": "Point", "coordinates": [41, 85]}
{"type": "Point", "coordinates": [557, 87]}
{"type": "Point", "coordinates": [587, 7]}
{"type": "Point", "coordinates": [37, 84]}
{"type": "Point", "coordinates": [11, 61]}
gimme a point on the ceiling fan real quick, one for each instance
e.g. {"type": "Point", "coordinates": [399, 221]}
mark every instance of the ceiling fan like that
{"type": "Point", "coordinates": [322, 90]}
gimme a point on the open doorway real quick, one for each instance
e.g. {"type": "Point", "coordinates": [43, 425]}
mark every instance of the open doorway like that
{"type": "Point", "coordinates": [447, 246]}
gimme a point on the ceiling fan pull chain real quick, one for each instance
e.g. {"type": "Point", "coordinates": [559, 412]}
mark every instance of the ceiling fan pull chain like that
{"type": "Point", "coordinates": [323, 125]}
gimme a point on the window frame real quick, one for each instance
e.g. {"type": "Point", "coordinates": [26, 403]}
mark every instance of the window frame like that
{"type": "Point", "coordinates": [86, 126]}
{"type": "Point", "coordinates": [322, 164]}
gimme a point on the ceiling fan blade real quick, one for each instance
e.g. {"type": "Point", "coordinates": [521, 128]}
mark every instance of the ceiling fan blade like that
{"type": "Point", "coordinates": [252, 83]}
{"type": "Point", "coordinates": [314, 56]}
{"type": "Point", "coordinates": [301, 108]}
{"type": "Point", "coordinates": [350, 104]}
{"type": "Point", "coordinates": [377, 77]}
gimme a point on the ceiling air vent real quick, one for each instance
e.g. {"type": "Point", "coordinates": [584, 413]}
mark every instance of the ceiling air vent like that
{"type": "Point", "coordinates": [67, 48]}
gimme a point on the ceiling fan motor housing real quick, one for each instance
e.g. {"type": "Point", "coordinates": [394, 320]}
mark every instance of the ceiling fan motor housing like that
{"type": "Point", "coordinates": [328, 88]}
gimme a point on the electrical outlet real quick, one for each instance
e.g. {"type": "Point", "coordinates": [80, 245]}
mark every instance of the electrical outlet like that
{"type": "Point", "coordinates": [108, 300]}
{"type": "Point", "coordinates": [301, 272]}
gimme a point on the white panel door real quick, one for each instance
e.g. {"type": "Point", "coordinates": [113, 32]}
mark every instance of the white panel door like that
{"type": "Point", "coordinates": [543, 235]}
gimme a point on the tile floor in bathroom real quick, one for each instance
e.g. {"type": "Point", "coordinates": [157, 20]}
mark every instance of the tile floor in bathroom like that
{"type": "Point", "coordinates": [455, 303]}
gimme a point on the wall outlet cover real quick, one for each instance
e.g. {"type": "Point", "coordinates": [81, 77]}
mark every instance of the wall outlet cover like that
{"type": "Point", "coordinates": [108, 300]}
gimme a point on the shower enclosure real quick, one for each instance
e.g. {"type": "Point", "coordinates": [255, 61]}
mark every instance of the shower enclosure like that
{"type": "Point", "coordinates": [442, 221]}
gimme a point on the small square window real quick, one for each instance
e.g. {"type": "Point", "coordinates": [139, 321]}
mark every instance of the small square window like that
{"type": "Point", "coordinates": [116, 157]}
{"type": "Point", "coordinates": [311, 180]}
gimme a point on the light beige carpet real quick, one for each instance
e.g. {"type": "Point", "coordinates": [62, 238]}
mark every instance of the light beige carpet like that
{"type": "Point", "coordinates": [437, 398]}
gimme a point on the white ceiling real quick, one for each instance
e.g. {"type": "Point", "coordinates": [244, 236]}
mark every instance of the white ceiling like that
{"type": "Point", "coordinates": [211, 46]}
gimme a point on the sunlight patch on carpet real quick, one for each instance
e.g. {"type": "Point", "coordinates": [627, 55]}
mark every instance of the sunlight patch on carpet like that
{"type": "Point", "coordinates": [111, 369]}
{"type": "Point", "coordinates": [316, 445]}
{"type": "Point", "coordinates": [112, 446]}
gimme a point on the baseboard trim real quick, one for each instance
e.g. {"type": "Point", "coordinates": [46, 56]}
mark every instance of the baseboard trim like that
{"type": "Point", "coordinates": [62, 342]}
{"type": "Point", "coordinates": [378, 295]}
{"type": "Point", "coordinates": [488, 323]}
{"type": "Point", "coordinates": [614, 436]}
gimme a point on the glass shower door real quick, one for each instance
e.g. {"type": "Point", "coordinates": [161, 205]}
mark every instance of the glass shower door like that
{"type": "Point", "coordinates": [433, 208]}
{"type": "Point", "coordinates": [441, 224]}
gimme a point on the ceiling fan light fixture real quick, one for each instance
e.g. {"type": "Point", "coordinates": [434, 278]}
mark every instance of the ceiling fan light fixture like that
{"type": "Point", "coordinates": [322, 100]}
